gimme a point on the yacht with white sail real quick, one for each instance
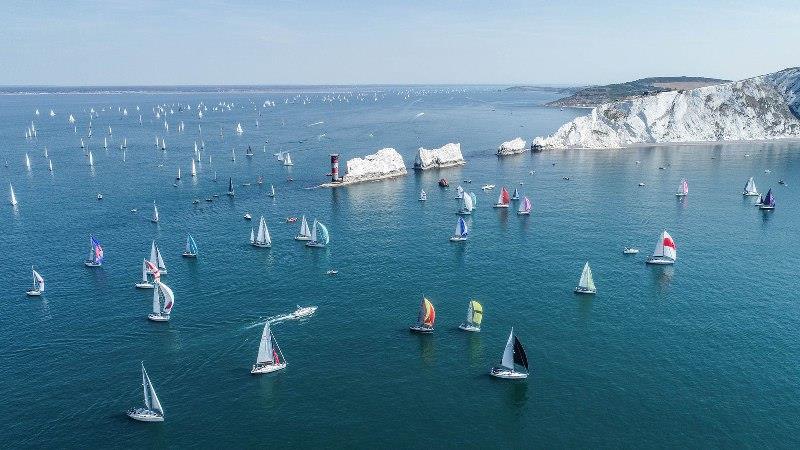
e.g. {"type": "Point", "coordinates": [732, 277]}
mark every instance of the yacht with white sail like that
{"type": "Point", "coordinates": [513, 356]}
{"type": "Point", "coordinates": [13, 195]}
{"type": "Point", "coordinates": [38, 284]}
{"type": "Point", "coordinates": [163, 301]}
{"type": "Point", "coordinates": [156, 260]}
{"type": "Point", "coordinates": [525, 207]}
{"type": "Point", "coordinates": [231, 192]}
{"type": "Point", "coordinates": [154, 218]}
{"type": "Point", "coordinates": [586, 283]}
{"type": "Point", "coordinates": [425, 318]}
{"type": "Point", "coordinates": [147, 268]}
{"type": "Point", "coordinates": [683, 188]}
{"type": "Point", "coordinates": [152, 410]}
{"type": "Point", "coordinates": [665, 251]}
{"type": "Point", "coordinates": [270, 356]}
{"type": "Point", "coordinates": [423, 196]}
{"type": "Point", "coordinates": [191, 248]}
{"type": "Point", "coordinates": [750, 189]}
{"type": "Point", "coordinates": [287, 159]}
{"type": "Point", "coordinates": [467, 205]}
{"type": "Point", "coordinates": [474, 317]}
{"type": "Point", "coordinates": [262, 238]}
{"type": "Point", "coordinates": [305, 231]}
{"type": "Point", "coordinates": [319, 235]}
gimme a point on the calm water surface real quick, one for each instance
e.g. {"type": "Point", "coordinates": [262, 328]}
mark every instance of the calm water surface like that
{"type": "Point", "coordinates": [701, 353]}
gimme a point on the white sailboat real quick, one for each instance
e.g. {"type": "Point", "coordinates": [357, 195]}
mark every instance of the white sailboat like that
{"type": "Point", "coordinates": [683, 188]}
{"type": "Point", "coordinates": [105, 142]}
{"type": "Point", "coordinates": [525, 207]}
{"type": "Point", "coordinates": [287, 159]}
{"type": "Point", "coordinates": [156, 260]}
{"type": "Point", "coordinates": [38, 284]}
{"type": "Point", "coordinates": [145, 283]}
{"type": "Point", "coordinates": [474, 317]}
{"type": "Point", "coordinates": [665, 251]}
{"type": "Point", "coordinates": [272, 190]}
{"type": "Point", "coordinates": [262, 238]}
{"type": "Point", "coordinates": [459, 192]}
{"type": "Point", "coordinates": [178, 176]}
{"type": "Point", "coordinates": [152, 410]}
{"type": "Point", "coordinates": [586, 283]}
{"type": "Point", "coordinates": [91, 159]}
{"type": "Point", "coordinates": [513, 356]}
{"type": "Point", "coordinates": [82, 144]}
{"type": "Point", "coordinates": [467, 204]}
{"type": "Point", "coordinates": [27, 161]}
{"type": "Point", "coordinates": [239, 129]}
{"type": "Point", "coordinates": [305, 232]}
{"type": "Point", "coordinates": [161, 310]}
{"type": "Point", "coordinates": [233, 155]}
{"type": "Point", "coordinates": [750, 189]}
{"type": "Point", "coordinates": [194, 169]}
{"type": "Point", "coordinates": [13, 195]}
{"type": "Point", "coordinates": [319, 235]}
{"type": "Point", "coordinates": [154, 218]}
{"type": "Point", "coordinates": [270, 357]}
{"type": "Point", "coordinates": [191, 248]}
{"type": "Point", "coordinates": [50, 165]}
{"type": "Point", "coordinates": [423, 196]}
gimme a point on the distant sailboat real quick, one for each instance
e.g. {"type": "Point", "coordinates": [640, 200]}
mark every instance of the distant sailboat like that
{"type": "Point", "coordinates": [474, 317]}
{"type": "Point", "coordinates": [13, 196]}
{"type": "Point", "coordinates": [38, 284]}
{"type": "Point", "coordinates": [474, 200]}
{"type": "Point", "coordinates": [750, 189]}
{"type": "Point", "coordinates": [249, 152]}
{"type": "Point", "coordinates": [425, 317]}
{"type": "Point", "coordinates": [683, 188]}
{"type": "Point", "coordinates": [513, 355]}
{"type": "Point", "coordinates": [156, 260]}
{"type": "Point", "coordinates": [504, 199]}
{"type": "Point", "coordinates": [305, 232]}
{"type": "Point", "coordinates": [82, 144]}
{"type": "Point", "coordinates": [161, 309]}
{"type": "Point", "coordinates": [233, 155]}
{"type": "Point", "coordinates": [230, 186]}
{"type": "Point", "coordinates": [586, 283]}
{"type": "Point", "coordinates": [194, 169]}
{"type": "Point", "coordinates": [105, 142]}
{"type": "Point", "coordinates": [461, 232]}
{"type": "Point", "coordinates": [191, 247]}
{"type": "Point", "coordinates": [95, 258]}
{"type": "Point", "coordinates": [272, 190]}
{"type": "Point", "coordinates": [287, 159]}
{"type": "Point", "coordinates": [270, 357]}
{"type": "Point", "coordinates": [768, 202]}
{"type": "Point", "coordinates": [178, 176]}
{"type": "Point", "coordinates": [319, 235]}
{"type": "Point", "coordinates": [91, 159]}
{"type": "Point", "coordinates": [147, 268]}
{"type": "Point", "coordinates": [154, 218]}
{"type": "Point", "coordinates": [466, 205]}
{"type": "Point", "coordinates": [27, 161]}
{"type": "Point", "coordinates": [665, 252]}
{"type": "Point", "coordinates": [525, 207]}
{"type": "Point", "coordinates": [239, 129]}
{"type": "Point", "coordinates": [262, 237]}
{"type": "Point", "coordinates": [152, 411]}
{"type": "Point", "coordinates": [459, 192]}
{"type": "Point", "coordinates": [516, 194]}
{"type": "Point", "coordinates": [423, 196]}
{"type": "Point", "coordinates": [50, 165]}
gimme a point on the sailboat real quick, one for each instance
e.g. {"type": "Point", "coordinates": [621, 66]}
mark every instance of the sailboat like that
{"type": "Point", "coordinates": [474, 200]}
{"type": "Point", "coordinates": [459, 192]}
{"type": "Point", "coordinates": [38, 284]}
{"type": "Point", "coordinates": [586, 283]}
{"type": "Point", "coordinates": [50, 165]}
{"type": "Point", "coordinates": [270, 356]}
{"type": "Point", "coordinates": [683, 188]}
{"type": "Point", "coordinates": [152, 410]}
{"type": "Point", "coordinates": [125, 143]}
{"type": "Point", "coordinates": [513, 355]}
{"type": "Point", "coordinates": [91, 159]}
{"type": "Point", "coordinates": [504, 199]}
{"type": "Point", "coordinates": [233, 155]}
{"type": "Point", "coordinates": [287, 159]}
{"type": "Point", "coordinates": [319, 238]}
{"type": "Point", "coordinates": [163, 144]}
{"type": "Point", "coordinates": [191, 248]}
{"type": "Point", "coordinates": [105, 142]}
{"type": "Point", "coordinates": [161, 310]}
{"type": "Point", "coordinates": [194, 169]}
{"type": "Point", "coordinates": [461, 232]}
{"type": "Point", "coordinates": [525, 207]}
{"type": "Point", "coordinates": [423, 196]}
{"type": "Point", "coordinates": [178, 176]}
{"type": "Point", "coordinates": [239, 129]}
{"type": "Point", "coordinates": [425, 318]}
{"type": "Point", "coordinates": [665, 252]}
{"type": "Point", "coordinates": [249, 152]}
{"type": "Point", "coordinates": [82, 144]}
{"type": "Point", "coordinates": [154, 218]}
{"type": "Point", "coordinates": [466, 205]}
{"type": "Point", "coordinates": [474, 317]}
{"type": "Point", "coordinates": [262, 238]}
{"type": "Point", "coordinates": [231, 193]}
{"type": "Point", "coordinates": [95, 258]}
{"type": "Point", "coordinates": [750, 189]}
{"type": "Point", "coordinates": [305, 232]}
{"type": "Point", "coordinates": [156, 260]}
{"type": "Point", "coordinates": [147, 267]}
{"type": "Point", "coordinates": [27, 161]}
{"type": "Point", "coordinates": [768, 202]}
{"type": "Point", "coordinates": [516, 194]}
{"type": "Point", "coordinates": [13, 196]}
{"type": "Point", "coordinates": [272, 190]}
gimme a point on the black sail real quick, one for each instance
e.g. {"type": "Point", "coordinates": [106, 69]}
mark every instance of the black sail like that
{"type": "Point", "coordinates": [519, 354]}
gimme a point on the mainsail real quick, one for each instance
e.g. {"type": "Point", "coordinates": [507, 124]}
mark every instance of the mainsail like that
{"type": "Point", "coordinates": [265, 349]}
{"type": "Point", "coordinates": [586, 281]}
{"type": "Point", "coordinates": [665, 247]}
{"type": "Point", "coordinates": [474, 313]}
{"type": "Point", "coordinates": [304, 230]}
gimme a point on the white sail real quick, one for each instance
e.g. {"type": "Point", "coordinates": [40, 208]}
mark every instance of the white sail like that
{"type": "Point", "coordinates": [178, 176]}
{"type": "Point", "coordinates": [467, 201]}
{"type": "Point", "coordinates": [153, 254]}
{"type": "Point", "coordinates": [469, 313]}
{"type": "Point", "coordinates": [304, 231]}
{"type": "Point", "coordinates": [160, 261]}
{"type": "Point", "coordinates": [169, 297]}
{"type": "Point", "coordinates": [13, 196]}
{"type": "Point", "coordinates": [146, 388]}
{"type": "Point", "coordinates": [508, 353]}
{"type": "Point", "coordinates": [239, 128]}
{"type": "Point", "coordinates": [91, 158]}
{"type": "Point", "coordinates": [314, 231]}
{"type": "Point", "coordinates": [155, 216]}
{"type": "Point", "coordinates": [150, 398]}
{"type": "Point", "coordinates": [750, 187]}
{"type": "Point", "coordinates": [156, 300]}
{"type": "Point", "coordinates": [263, 237]}
{"type": "Point", "coordinates": [265, 350]}
{"type": "Point", "coordinates": [27, 161]}
{"type": "Point", "coordinates": [252, 236]}
{"type": "Point", "coordinates": [272, 190]}
{"type": "Point", "coordinates": [50, 164]}
{"type": "Point", "coordinates": [144, 271]}
{"type": "Point", "coordinates": [663, 250]}
{"type": "Point", "coordinates": [194, 169]}
{"type": "Point", "coordinates": [38, 281]}
{"type": "Point", "coordinates": [586, 281]}
{"type": "Point", "coordinates": [105, 142]}
{"type": "Point", "coordinates": [287, 159]}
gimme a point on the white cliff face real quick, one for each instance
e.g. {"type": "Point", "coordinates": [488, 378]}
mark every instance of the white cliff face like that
{"type": "Point", "coordinates": [764, 107]}
{"type": "Point", "coordinates": [512, 147]}
{"type": "Point", "coordinates": [446, 156]}
{"type": "Point", "coordinates": [385, 163]}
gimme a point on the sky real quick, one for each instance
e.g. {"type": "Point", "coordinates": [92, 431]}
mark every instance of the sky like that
{"type": "Point", "coordinates": [152, 42]}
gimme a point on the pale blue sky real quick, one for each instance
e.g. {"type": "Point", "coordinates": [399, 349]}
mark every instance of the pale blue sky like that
{"type": "Point", "coordinates": [342, 42]}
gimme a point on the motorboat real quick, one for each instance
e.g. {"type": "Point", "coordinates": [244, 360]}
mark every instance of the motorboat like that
{"type": "Point", "coordinates": [630, 250]}
{"type": "Point", "coordinates": [303, 311]}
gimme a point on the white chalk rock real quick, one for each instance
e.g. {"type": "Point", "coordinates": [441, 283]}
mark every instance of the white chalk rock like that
{"type": "Point", "coordinates": [512, 147]}
{"type": "Point", "coordinates": [385, 163]}
{"type": "Point", "coordinates": [448, 155]}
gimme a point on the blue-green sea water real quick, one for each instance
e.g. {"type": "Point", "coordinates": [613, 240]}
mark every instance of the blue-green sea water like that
{"type": "Point", "coordinates": [702, 354]}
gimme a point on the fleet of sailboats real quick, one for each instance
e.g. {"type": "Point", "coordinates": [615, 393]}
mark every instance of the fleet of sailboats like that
{"type": "Point", "coordinates": [270, 358]}
{"type": "Point", "coordinates": [152, 410]}
{"type": "Point", "coordinates": [586, 283]}
{"type": "Point", "coordinates": [513, 357]}
{"type": "Point", "coordinates": [425, 318]}
{"type": "Point", "coordinates": [474, 317]}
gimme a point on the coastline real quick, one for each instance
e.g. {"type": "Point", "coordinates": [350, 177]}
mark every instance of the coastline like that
{"type": "Point", "coordinates": [672, 144]}
{"type": "Point", "coordinates": [366, 180]}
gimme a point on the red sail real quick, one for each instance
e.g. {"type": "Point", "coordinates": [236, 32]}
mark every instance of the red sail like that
{"type": "Point", "coordinates": [504, 197]}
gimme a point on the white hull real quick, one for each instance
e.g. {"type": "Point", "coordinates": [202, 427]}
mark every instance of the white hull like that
{"type": "Point", "coordinates": [768, 208]}
{"type": "Point", "coordinates": [462, 212]}
{"type": "Point", "coordinates": [471, 328]}
{"type": "Point", "coordinates": [659, 261]}
{"type": "Point", "coordinates": [302, 238]}
{"type": "Point", "coordinates": [33, 293]}
{"type": "Point", "coordinates": [523, 213]}
{"type": "Point", "coordinates": [256, 244]}
{"type": "Point", "coordinates": [304, 312]}
{"type": "Point", "coordinates": [267, 368]}
{"type": "Point", "coordinates": [500, 205]}
{"type": "Point", "coordinates": [580, 290]}
{"type": "Point", "coordinates": [681, 195]}
{"type": "Point", "coordinates": [420, 329]}
{"type": "Point", "coordinates": [91, 264]}
{"type": "Point", "coordinates": [145, 415]}
{"type": "Point", "coordinates": [457, 239]}
{"type": "Point", "coordinates": [189, 255]}
{"type": "Point", "coordinates": [144, 286]}
{"type": "Point", "coordinates": [502, 372]}
{"type": "Point", "coordinates": [630, 251]}
{"type": "Point", "coordinates": [158, 317]}
{"type": "Point", "coordinates": [750, 194]}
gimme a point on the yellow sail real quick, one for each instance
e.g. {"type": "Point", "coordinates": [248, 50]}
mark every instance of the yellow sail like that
{"type": "Point", "coordinates": [430, 313]}
{"type": "Point", "coordinates": [477, 312]}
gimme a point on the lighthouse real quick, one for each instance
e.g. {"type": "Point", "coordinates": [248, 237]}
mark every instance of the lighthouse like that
{"type": "Point", "coordinates": [335, 168]}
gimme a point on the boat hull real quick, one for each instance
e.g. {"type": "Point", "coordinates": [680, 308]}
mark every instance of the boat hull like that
{"type": "Point", "coordinates": [659, 261]}
{"type": "Point", "coordinates": [189, 255]}
{"type": "Point", "coordinates": [457, 239]}
{"type": "Point", "coordinates": [765, 207]}
{"type": "Point", "coordinates": [144, 286]}
{"type": "Point", "coordinates": [500, 205]}
{"type": "Point", "coordinates": [580, 290]}
{"type": "Point", "coordinates": [462, 212]}
{"type": "Point", "coordinates": [144, 415]}
{"type": "Point", "coordinates": [91, 264]}
{"type": "Point", "coordinates": [420, 329]}
{"type": "Point", "coordinates": [157, 317]}
{"type": "Point", "coordinates": [507, 374]}
{"type": "Point", "coordinates": [523, 213]}
{"type": "Point", "coordinates": [302, 238]}
{"type": "Point", "coordinates": [33, 293]}
{"type": "Point", "coordinates": [470, 328]}
{"type": "Point", "coordinates": [259, 369]}
{"type": "Point", "coordinates": [750, 194]}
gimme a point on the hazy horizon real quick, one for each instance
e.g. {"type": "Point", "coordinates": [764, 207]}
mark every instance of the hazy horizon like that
{"type": "Point", "coordinates": [288, 43]}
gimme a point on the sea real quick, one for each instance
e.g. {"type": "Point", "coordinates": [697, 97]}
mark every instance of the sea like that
{"type": "Point", "coordinates": [696, 355]}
